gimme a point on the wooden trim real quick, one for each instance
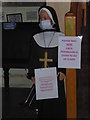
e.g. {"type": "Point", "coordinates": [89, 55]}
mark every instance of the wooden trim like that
{"type": "Point", "coordinates": [71, 92]}
{"type": "Point", "coordinates": [22, 4]}
{"type": "Point", "coordinates": [77, 10]}
{"type": "Point", "coordinates": [84, 7]}
{"type": "Point", "coordinates": [73, 8]}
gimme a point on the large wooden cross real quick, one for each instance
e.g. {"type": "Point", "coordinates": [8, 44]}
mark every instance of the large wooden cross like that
{"type": "Point", "coordinates": [45, 60]}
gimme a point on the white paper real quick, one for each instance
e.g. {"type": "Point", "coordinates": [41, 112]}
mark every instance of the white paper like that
{"type": "Point", "coordinates": [69, 52]}
{"type": "Point", "coordinates": [46, 83]}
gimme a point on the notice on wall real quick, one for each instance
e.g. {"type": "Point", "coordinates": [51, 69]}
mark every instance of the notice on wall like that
{"type": "Point", "coordinates": [69, 52]}
{"type": "Point", "coordinates": [46, 83]}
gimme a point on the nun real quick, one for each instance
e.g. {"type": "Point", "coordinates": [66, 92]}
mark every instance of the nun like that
{"type": "Point", "coordinates": [46, 41]}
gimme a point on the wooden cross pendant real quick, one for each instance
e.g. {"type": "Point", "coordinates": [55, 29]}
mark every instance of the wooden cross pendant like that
{"type": "Point", "coordinates": [45, 60]}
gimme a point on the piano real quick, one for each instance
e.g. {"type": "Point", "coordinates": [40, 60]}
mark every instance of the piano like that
{"type": "Point", "coordinates": [16, 46]}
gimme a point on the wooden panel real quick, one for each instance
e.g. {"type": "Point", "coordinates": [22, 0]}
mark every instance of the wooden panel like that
{"type": "Point", "coordinates": [71, 93]}
{"type": "Point", "coordinates": [70, 30]}
{"type": "Point", "coordinates": [73, 7]}
{"type": "Point", "coordinates": [77, 10]}
{"type": "Point", "coordinates": [84, 7]}
{"type": "Point", "coordinates": [79, 18]}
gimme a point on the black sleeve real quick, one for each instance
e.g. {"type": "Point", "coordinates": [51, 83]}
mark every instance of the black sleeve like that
{"type": "Point", "coordinates": [63, 70]}
{"type": "Point", "coordinates": [30, 67]}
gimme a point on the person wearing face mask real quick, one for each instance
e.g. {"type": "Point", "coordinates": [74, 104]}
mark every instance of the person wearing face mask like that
{"type": "Point", "coordinates": [47, 41]}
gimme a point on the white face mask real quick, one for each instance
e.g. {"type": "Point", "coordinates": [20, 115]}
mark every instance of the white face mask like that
{"type": "Point", "coordinates": [45, 24]}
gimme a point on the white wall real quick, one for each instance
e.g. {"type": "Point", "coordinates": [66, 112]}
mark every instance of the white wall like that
{"type": "Point", "coordinates": [61, 9]}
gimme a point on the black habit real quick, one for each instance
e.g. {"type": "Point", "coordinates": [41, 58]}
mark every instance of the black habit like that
{"type": "Point", "coordinates": [47, 41]}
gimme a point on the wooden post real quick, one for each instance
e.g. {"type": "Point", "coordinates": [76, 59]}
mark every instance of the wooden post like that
{"type": "Point", "coordinates": [71, 92]}
{"type": "Point", "coordinates": [84, 7]}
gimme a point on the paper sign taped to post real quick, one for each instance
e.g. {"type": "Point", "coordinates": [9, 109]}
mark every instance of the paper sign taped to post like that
{"type": "Point", "coordinates": [69, 52]}
{"type": "Point", "coordinates": [46, 83]}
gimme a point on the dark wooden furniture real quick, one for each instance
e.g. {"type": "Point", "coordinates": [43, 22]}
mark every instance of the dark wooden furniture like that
{"type": "Point", "coordinates": [16, 47]}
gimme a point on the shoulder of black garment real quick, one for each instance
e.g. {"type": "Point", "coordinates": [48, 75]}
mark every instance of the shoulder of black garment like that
{"type": "Point", "coordinates": [47, 30]}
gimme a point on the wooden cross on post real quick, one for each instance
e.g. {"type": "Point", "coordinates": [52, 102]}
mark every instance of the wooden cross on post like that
{"type": "Point", "coordinates": [45, 60]}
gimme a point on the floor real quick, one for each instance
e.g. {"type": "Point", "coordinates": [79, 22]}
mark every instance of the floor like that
{"type": "Point", "coordinates": [13, 99]}
{"type": "Point", "coordinates": [14, 107]}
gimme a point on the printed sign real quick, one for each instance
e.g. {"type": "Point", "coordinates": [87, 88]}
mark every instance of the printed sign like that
{"type": "Point", "coordinates": [69, 52]}
{"type": "Point", "coordinates": [46, 83]}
